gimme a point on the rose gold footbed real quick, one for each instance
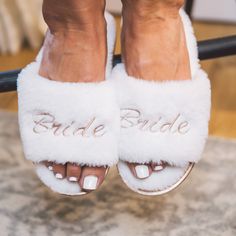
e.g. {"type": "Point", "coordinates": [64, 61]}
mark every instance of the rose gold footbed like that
{"type": "Point", "coordinates": [166, 190]}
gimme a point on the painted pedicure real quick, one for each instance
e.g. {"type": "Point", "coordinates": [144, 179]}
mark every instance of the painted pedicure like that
{"type": "Point", "coordinates": [50, 168]}
{"type": "Point", "coordinates": [59, 176]}
{"type": "Point", "coordinates": [142, 171]}
{"type": "Point", "coordinates": [90, 182]}
{"type": "Point", "coordinates": [158, 168]}
{"type": "Point", "coordinates": [73, 179]}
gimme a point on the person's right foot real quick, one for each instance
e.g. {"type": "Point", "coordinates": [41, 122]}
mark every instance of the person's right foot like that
{"type": "Point", "coordinates": [153, 48]}
{"type": "Point", "coordinates": [75, 51]}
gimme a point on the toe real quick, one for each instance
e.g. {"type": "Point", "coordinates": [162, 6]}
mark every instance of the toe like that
{"type": "Point", "coordinates": [59, 170]}
{"type": "Point", "coordinates": [140, 171]}
{"type": "Point", "coordinates": [48, 164]}
{"type": "Point", "coordinates": [73, 172]}
{"type": "Point", "coordinates": [158, 166]}
{"type": "Point", "coordinates": [92, 177]}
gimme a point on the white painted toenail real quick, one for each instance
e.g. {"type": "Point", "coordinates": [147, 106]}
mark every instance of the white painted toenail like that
{"type": "Point", "coordinates": [90, 182]}
{"type": "Point", "coordinates": [73, 179]}
{"type": "Point", "coordinates": [142, 171]}
{"type": "Point", "coordinates": [50, 168]}
{"type": "Point", "coordinates": [59, 176]}
{"type": "Point", "coordinates": [158, 168]}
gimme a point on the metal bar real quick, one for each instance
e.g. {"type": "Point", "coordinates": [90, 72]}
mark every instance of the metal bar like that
{"type": "Point", "coordinates": [8, 80]}
{"type": "Point", "coordinates": [214, 48]}
{"type": "Point", "coordinates": [208, 49]}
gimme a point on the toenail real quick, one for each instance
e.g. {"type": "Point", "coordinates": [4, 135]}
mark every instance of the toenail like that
{"type": "Point", "coordinates": [50, 167]}
{"type": "Point", "coordinates": [90, 182]}
{"type": "Point", "coordinates": [73, 179]}
{"type": "Point", "coordinates": [142, 171]}
{"type": "Point", "coordinates": [158, 168]}
{"type": "Point", "coordinates": [59, 176]}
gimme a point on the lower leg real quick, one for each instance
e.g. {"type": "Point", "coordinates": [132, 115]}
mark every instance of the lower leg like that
{"type": "Point", "coordinates": [154, 48]}
{"type": "Point", "coordinates": [153, 40]}
{"type": "Point", "coordinates": [77, 30]}
{"type": "Point", "coordinates": [75, 51]}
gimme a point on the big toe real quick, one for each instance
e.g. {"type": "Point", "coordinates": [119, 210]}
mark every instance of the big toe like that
{"type": "Point", "coordinates": [92, 177]}
{"type": "Point", "coordinates": [140, 171]}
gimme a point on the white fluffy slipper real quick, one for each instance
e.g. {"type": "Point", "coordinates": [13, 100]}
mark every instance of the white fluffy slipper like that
{"type": "Point", "coordinates": [68, 122]}
{"type": "Point", "coordinates": [163, 122]}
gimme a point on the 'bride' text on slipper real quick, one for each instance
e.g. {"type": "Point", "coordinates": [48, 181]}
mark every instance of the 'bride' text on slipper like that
{"type": "Point", "coordinates": [46, 122]}
{"type": "Point", "coordinates": [133, 118]}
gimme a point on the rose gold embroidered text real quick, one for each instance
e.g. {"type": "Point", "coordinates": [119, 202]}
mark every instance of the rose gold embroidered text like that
{"type": "Point", "coordinates": [46, 122]}
{"type": "Point", "coordinates": [133, 118]}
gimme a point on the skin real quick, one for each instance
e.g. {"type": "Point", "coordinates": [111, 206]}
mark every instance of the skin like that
{"type": "Point", "coordinates": [153, 48]}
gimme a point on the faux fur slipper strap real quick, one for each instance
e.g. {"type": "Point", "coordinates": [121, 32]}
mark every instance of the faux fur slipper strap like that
{"type": "Point", "coordinates": [162, 121]}
{"type": "Point", "coordinates": [67, 122]}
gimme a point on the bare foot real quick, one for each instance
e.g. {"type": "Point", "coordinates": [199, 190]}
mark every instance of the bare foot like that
{"type": "Point", "coordinates": [154, 48]}
{"type": "Point", "coordinates": [75, 51]}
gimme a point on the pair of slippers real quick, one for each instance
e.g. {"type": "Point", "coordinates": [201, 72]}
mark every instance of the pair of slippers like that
{"type": "Point", "coordinates": [120, 120]}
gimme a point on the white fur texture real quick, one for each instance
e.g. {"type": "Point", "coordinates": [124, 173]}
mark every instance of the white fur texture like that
{"type": "Point", "coordinates": [68, 102]}
{"type": "Point", "coordinates": [162, 102]}
{"type": "Point", "coordinates": [189, 98]}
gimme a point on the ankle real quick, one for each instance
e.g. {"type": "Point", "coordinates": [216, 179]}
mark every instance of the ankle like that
{"type": "Point", "coordinates": [146, 11]}
{"type": "Point", "coordinates": [153, 44]}
{"type": "Point", "coordinates": [71, 15]}
{"type": "Point", "coordinates": [69, 55]}
{"type": "Point", "coordinates": [72, 58]}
